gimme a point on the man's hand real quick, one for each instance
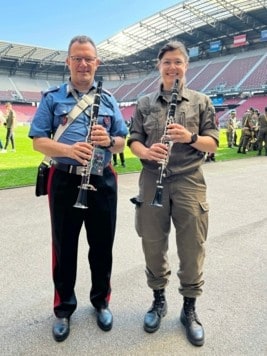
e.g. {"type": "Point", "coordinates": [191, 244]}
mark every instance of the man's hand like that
{"type": "Point", "coordinates": [81, 152]}
{"type": "Point", "coordinates": [100, 136]}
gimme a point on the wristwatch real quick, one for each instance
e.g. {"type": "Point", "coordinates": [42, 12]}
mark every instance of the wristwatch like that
{"type": "Point", "coordinates": [111, 142]}
{"type": "Point", "coordinates": [194, 138]}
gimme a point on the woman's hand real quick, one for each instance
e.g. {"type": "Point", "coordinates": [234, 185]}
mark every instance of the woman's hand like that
{"type": "Point", "coordinates": [178, 133]}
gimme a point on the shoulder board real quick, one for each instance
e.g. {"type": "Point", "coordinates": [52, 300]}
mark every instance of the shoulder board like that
{"type": "Point", "coordinates": [106, 91]}
{"type": "Point", "coordinates": [52, 89]}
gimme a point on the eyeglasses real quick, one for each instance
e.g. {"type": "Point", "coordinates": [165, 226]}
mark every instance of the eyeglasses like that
{"type": "Point", "coordinates": [87, 60]}
{"type": "Point", "coordinates": [167, 63]}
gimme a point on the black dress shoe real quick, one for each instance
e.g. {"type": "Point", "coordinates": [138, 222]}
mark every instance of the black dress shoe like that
{"type": "Point", "coordinates": [61, 329]}
{"type": "Point", "coordinates": [104, 319]}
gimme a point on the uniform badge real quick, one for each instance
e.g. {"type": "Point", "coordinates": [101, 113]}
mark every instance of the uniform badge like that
{"type": "Point", "coordinates": [64, 120]}
{"type": "Point", "coordinates": [106, 121]}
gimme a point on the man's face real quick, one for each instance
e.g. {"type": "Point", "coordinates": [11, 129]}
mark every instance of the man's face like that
{"type": "Point", "coordinates": [172, 66]}
{"type": "Point", "coordinates": [82, 63]}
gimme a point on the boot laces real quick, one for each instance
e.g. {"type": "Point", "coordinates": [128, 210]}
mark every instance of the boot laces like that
{"type": "Point", "coordinates": [191, 314]}
{"type": "Point", "coordinates": [159, 302]}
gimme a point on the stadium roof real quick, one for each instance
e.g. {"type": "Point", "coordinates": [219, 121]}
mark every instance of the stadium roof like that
{"type": "Point", "coordinates": [186, 17]}
{"type": "Point", "coordinates": [194, 22]}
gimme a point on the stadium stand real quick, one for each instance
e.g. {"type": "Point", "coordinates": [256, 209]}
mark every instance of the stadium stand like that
{"type": "Point", "coordinates": [204, 76]}
{"type": "Point", "coordinates": [258, 78]}
{"type": "Point", "coordinates": [237, 72]}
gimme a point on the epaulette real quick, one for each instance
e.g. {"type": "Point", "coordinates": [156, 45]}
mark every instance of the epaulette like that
{"type": "Point", "coordinates": [50, 90]}
{"type": "Point", "coordinates": [106, 91]}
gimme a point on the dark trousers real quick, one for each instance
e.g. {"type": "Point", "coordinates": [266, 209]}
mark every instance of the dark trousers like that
{"type": "Point", "coordinates": [99, 220]}
{"type": "Point", "coordinates": [9, 136]}
{"type": "Point", "coordinates": [122, 159]}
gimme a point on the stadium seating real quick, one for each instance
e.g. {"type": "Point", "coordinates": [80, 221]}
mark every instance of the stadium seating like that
{"type": "Point", "coordinates": [139, 89]}
{"type": "Point", "coordinates": [205, 75]}
{"type": "Point", "coordinates": [6, 95]}
{"type": "Point", "coordinates": [127, 112]}
{"type": "Point", "coordinates": [257, 78]}
{"type": "Point", "coordinates": [234, 72]}
{"type": "Point", "coordinates": [242, 72]}
{"type": "Point", "coordinates": [31, 96]}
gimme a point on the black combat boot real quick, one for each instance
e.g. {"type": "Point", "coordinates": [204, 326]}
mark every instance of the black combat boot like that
{"type": "Point", "coordinates": [157, 311]}
{"type": "Point", "coordinates": [193, 327]}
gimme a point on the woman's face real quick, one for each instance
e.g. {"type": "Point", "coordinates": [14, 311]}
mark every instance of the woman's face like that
{"type": "Point", "coordinates": [172, 65]}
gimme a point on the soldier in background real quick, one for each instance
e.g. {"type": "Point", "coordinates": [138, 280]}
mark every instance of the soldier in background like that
{"type": "Point", "coordinates": [231, 129]}
{"type": "Point", "coordinates": [246, 132]}
{"type": "Point", "coordinates": [262, 135]}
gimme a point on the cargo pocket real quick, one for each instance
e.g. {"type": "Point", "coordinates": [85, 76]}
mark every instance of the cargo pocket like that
{"type": "Point", "coordinates": [203, 222]}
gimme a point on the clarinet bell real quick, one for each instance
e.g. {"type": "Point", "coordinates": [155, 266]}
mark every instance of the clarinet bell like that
{"type": "Point", "coordinates": [81, 199]}
{"type": "Point", "coordinates": [157, 201]}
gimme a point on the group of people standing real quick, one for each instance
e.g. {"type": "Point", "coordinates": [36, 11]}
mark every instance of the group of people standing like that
{"type": "Point", "coordinates": [192, 131]}
{"type": "Point", "coordinates": [253, 131]}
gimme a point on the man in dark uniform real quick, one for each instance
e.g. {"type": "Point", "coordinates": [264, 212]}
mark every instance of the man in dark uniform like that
{"type": "Point", "coordinates": [71, 154]}
{"type": "Point", "coordinates": [183, 190]}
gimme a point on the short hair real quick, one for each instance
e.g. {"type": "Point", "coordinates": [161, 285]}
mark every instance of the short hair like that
{"type": "Point", "coordinates": [81, 39]}
{"type": "Point", "coordinates": [172, 46]}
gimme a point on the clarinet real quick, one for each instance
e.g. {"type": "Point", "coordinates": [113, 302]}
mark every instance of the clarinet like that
{"type": "Point", "coordinates": [157, 201]}
{"type": "Point", "coordinates": [86, 171]}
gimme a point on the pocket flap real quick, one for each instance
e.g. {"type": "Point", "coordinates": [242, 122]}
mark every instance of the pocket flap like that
{"type": "Point", "coordinates": [204, 206]}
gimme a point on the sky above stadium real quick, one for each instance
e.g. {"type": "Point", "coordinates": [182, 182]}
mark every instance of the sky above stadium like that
{"type": "Point", "coordinates": [51, 24]}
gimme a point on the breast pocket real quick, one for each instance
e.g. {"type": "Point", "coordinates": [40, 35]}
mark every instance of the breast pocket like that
{"type": "Point", "coordinates": [154, 125]}
{"type": "Point", "coordinates": [191, 120]}
{"type": "Point", "coordinates": [60, 114]}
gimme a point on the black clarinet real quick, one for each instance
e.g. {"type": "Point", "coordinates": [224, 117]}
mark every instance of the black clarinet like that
{"type": "Point", "coordinates": [157, 201]}
{"type": "Point", "coordinates": [86, 171]}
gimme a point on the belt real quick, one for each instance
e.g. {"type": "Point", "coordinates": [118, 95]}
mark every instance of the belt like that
{"type": "Point", "coordinates": [68, 168]}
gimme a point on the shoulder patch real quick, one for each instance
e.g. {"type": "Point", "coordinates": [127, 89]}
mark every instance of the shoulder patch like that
{"type": "Point", "coordinates": [50, 90]}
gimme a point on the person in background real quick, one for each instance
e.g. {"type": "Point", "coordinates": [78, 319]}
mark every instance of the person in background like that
{"type": "Point", "coordinates": [183, 193]}
{"type": "Point", "coordinates": [262, 135]}
{"type": "Point", "coordinates": [122, 159]}
{"type": "Point", "coordinates": [249, 130]}
{"type": "Point", "coordinates": [10, 122]}
{"type": "Point", "coordinates": [210, 157]}
{"type": "Point", "coordinates": [1, 123]}
{"type": "Point", "coordinates": [231, 126]}
{"type": "Point", "coordinates": [70, 155]}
